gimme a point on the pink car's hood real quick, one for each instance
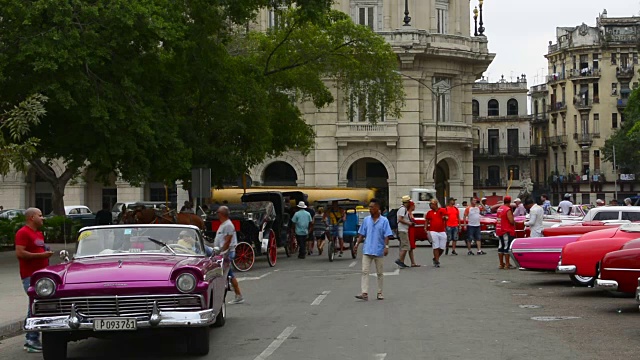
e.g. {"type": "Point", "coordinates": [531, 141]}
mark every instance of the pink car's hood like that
{"type": "Point", "coordinates": [121, 268]}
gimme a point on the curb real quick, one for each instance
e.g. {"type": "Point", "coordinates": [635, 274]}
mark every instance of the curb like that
{"type": "Point", "coordinates": [11, 329]}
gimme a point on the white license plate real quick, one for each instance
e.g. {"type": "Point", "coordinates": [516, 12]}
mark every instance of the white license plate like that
{"type": "Point", "coordinates": [116, 324]}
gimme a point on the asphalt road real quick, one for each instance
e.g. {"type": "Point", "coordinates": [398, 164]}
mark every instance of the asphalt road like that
{"type": "Point", "coordinates": [467, 309]}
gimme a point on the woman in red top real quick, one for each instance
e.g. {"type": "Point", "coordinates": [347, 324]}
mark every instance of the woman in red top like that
{"type": "Point", "coordinates": [412, 233]}
{"type": "Point", "coordinates": [506, 232]}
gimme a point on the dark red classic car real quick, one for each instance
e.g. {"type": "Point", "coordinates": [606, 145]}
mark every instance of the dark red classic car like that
{"type": "Point", "coordinates": [620, 270]}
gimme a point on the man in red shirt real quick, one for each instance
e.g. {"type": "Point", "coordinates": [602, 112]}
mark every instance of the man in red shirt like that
{"type": "Point", "coordinates": [33, 255]}
{"type": "Point", "coordinates": [453, 224]}
{"type": "Point", "coordinates": [506, 232]}
{"type": "Point", "coordinates": [434, 225]}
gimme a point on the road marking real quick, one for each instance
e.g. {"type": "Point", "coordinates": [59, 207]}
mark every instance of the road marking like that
{"type": "Point", "coordinates": [275, 344]}
{"type": "Point", "coordinates": [380, 356]}
{"type": "Point", "coordinates": [554, 318]}
{"type": "Point", "coordinates": [320, 297]}
{"type": "Point", "coordinates": [396, 272]}
{"type": "Point", "coordinates": [253, 277]}
{"type": "Point", "coordinates": [353, 264]}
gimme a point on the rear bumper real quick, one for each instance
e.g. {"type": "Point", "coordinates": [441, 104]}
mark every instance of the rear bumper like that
{"type": "Point", "coordinates": [607, 284]}
{"type": "Point", "coordinates": [566, 269]}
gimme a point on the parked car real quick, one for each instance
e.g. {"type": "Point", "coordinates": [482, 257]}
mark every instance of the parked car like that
{"type": "Point", "coordinates": [539, 254]}
{"type": "Point", "coordinates": [630, 213]}
{"type": "Point", "coordinates": [619, 270]}
{"type": "Point", "coordinates": [124, 279]}
{"type": "Point", "coordinates": [580, 228]}
{"type": "Point", "coordinates": [576, 215]}
{"type": "Point", "coordinates": [10, 214]}
{"type": "Point", "coordinates": [579, 259]}
{"type": "Point", "coordinates": [80, 213]}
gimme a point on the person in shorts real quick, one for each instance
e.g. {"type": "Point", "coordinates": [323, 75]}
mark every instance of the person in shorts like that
{"type": "Point", "coordinates": [506, 232]}
{"type": "Point", "coordinates": [403, 231]}
{"type": "Point", "coordinates": [320, 229]}
{"type": "Point", "coordinates": [472, 220]}
{"type": "Point", "coordinates": [226, 239]}
{"type": "Point", "coordinates": [434, 224]}
{"type": "Point", "coordinates": [453, 226]}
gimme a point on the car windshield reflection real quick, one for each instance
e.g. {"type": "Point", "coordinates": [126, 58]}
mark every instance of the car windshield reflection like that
{"type": "Point", "coordinates": [139, 240]}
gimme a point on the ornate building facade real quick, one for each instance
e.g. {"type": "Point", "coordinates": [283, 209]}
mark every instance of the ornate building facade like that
{"type": "Point", "coordinates": [592, 72]}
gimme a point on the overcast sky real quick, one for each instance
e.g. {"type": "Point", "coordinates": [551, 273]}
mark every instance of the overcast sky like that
{"type": "Point", "coordinates": [519, 31]}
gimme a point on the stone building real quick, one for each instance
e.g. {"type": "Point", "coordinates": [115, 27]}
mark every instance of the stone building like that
{"type": "Point", "coordinates": [395, 155]}
{"type": "Point", "coordinates": [539, 136]}
{"type": "Point", "coordinates": [592, 72]}
{"type": "Point", "coordinates": [437, 49]}
{"type": "Point", "coordinates": [502, 159]}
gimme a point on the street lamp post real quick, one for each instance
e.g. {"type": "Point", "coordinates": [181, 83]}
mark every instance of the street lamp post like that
{"type": "Point", "coordinates": [438, 93]}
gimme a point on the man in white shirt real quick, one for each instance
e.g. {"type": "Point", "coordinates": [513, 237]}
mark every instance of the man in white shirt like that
{"type": "Point", "coordinates": [226, 239]}
{"type": "Point", "coordinates": [472, 220]}
{"type": "Point", "coordinates": [565, 205]}
{"type": "Point", "coordinates": [404, 222]}
{"type": "Point", "coordinates": [536, 216]}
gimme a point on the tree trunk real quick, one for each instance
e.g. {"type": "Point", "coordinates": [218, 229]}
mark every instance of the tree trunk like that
{"type": "Point", "coordinates": [57, 183]}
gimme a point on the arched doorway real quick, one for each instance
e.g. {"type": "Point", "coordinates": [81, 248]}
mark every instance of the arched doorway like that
{"type": "Point", "coordinates": [280, 173]}
{"type": "Point", "coordinates": [370, 173]}
{"type": "Point", "coordinates": [443, 175]}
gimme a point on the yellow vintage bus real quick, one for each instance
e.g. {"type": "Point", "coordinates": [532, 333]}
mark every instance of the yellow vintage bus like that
{"type": "Point", "coordinates": [232, 195]}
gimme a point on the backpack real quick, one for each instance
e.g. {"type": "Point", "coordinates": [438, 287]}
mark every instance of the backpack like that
{"type": "Point", "coordinates": [392, 217]}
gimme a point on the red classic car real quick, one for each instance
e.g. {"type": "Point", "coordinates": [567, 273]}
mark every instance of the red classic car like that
{"type": "Point", "coordinates": [579, 259]}
{"type": "Point", "coordinates": [125, 278]}
{"type": "Point", "coordinates": [619, 270]}
{"type": "Point", "coordinates": [578, 229]}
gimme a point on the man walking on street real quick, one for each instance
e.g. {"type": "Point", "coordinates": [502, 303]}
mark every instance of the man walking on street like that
{"type": "Point", "coordinates": [303, 222]}
{"type": "Point", "coordinates": [536, 215]}
{"type": "Point", "coordinates": [453, 226]}
{"type": "Point", "coordinates": [403, 230]}
{"type": "Point", "coordinates": [226, 239]}
{"type": "Point", "coordinates": [472, 219]}
{"type": "Point", "coordinates": [375, 232]}
{"type": "Point", "coordinates": [104, 216]}
{"type": "Point", "coordinates": [435, 221]}
{"type": "Point", "coordinates": [33, 255]}
{"type": "Point", "coordinates": [506, 231]}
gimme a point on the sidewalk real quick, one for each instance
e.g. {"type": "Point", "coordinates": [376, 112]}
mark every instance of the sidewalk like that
{"type": "Point", "coordinates": [12, 297]}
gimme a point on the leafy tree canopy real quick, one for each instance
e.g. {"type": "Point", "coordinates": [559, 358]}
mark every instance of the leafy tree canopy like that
{"type": "Point", "coordinates": [148, 89]}
{"type": "Point", "coordinates": [627, 138]}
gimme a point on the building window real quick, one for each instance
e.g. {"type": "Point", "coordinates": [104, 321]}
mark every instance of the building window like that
{"type": "Point", "coordinates": [635, 58]}
{"type": "Point", "coordinates": [544, 108]}
{"type": "Point", "coordinates": [614, 89]}
{"type": "Point", "coordinates": [614, 120]}
{"type": "Point", "coordinates": [493, 108]}
{"type": "Point", "coordinates": [514, 172]}
{"type": "Point", "coordinates": [475, 108]}
{"type": "Point", "coordinates": [613, 59]}
{"type": "Point", "coordinates": [512, 107]}
{"type": "Point", "coordinates": [442, 16]}
{"type": "Point", "coordinates": [535, 109]}
{"type": "Point", "coordinates": [596, 124]}
{"type": "Point", "coordinates": [443, 86]}
{"type": "Point", "coordinates": [494, 175]}
{"type": "Point", "coordinates": [366, 16]}
{"type": "Point", "coordinates": [595, 61]}
{"type": "Point", "coordinates": [275, 14]}
{"type": "Point", "coordinates": [360, 109]}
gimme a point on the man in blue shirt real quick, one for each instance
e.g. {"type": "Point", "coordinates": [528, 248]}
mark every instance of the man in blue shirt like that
{"type": "Point", "coordinates": [375, 232]}
{"type": "Point", "coordinates": [303, 223]}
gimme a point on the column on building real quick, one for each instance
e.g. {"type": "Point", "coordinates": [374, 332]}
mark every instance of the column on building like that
{"type": "Point", "coordinates": [13, 191]}
{"type": "Point", "coordinates": [128, 193]}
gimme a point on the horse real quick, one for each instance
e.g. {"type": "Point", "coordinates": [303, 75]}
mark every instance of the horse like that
{"type": "Point", "coordinates": [152, 216]}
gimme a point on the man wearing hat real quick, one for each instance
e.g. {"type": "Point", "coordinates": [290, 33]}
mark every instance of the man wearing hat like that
{"type": "Point", "coordinates": [302, 221]}
{"type": "Point", "coordinates": [506, 232]}
{"type": "Point", "coordinates": [565, 205]}
{"type": "Point", "coordinates": [520, 209]}
{"type": "Point", "coordinates": [404, 222]}
{"type": "Point", "coordinates": [484, 208]}
{"type": "Point", "coordinates": [599, 202]}
{"type": "Point", "coordinates": [453, 224]}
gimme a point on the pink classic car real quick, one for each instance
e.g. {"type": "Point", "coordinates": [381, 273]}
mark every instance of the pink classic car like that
{"type": "Point", "coordinates": [620, 270]}
{"type": "Point", "coordinates": [543, 254]}
{"type": "Point", "coordinates": [125, 278]}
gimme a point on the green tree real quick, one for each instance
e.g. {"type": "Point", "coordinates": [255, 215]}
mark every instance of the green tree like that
{"type": "Point", "coordinates": [627, 138]}
{"type": "Point", "coordinates": [147, 89]}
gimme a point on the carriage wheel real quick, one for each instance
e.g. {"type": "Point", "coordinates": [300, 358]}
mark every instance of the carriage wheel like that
{"type": "Point", "coordinates": [272, 250]}
{"type": "Point", "coordinates": [245, 257]}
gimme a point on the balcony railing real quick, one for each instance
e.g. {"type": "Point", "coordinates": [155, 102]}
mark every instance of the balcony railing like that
{"type": "Point", "coordinates": [560, 140]}
{"type": "Point", "coordinates": [538, 88]}
{"type": "Point", "coordinates": [582, 103]}
{"type": "Point", "coordinates": [559, 106]}
{"type": "Point", "coordinates": [625, 72]}
{"type": "Point", "coordinates": [540, 148]}
{"type": "Point", "coordinates": [555, 77]}
{"type": "Point", "coordinates": [540, 118]}
{"type": "Point", "coordinates": [386, 131]}
{"type": "Point", "coordinates": [584, 73]}
{"type": "Point", "coordinates": [521, 152]}
{"type": "Point", "coordinates": [584, 138]}
{"type": "Point", "coordinates": [457, 133]}
{"type": "Point", "coordinates": [502, 118]}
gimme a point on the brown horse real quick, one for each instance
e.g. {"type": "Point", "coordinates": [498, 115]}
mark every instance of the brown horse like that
{"type": "Point", "coordinates": [152, 216]}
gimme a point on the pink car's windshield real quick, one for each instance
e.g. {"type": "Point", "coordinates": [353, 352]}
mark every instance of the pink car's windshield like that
{"type": "Point", "coordinates": [139, 240]}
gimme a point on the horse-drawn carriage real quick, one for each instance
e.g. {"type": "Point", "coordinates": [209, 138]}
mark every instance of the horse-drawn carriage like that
{"type": "Point", "coordinates": [262, 223]}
